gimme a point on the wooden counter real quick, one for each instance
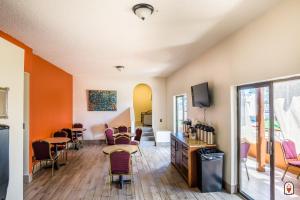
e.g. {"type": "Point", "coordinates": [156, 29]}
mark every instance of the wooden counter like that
{"type": "Point", "coordinates": [184, 156]}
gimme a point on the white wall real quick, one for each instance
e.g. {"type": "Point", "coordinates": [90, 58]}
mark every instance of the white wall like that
{"type": "Point", "coordinates": [124, 87]}
{"type": "Point", "coordinates": [267, 48]}
{"type": "Point", "coordinates": [12, 75]}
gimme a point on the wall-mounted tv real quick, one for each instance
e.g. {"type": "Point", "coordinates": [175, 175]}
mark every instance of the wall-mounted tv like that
{"type": "Point", "coordinates": [200, 95]}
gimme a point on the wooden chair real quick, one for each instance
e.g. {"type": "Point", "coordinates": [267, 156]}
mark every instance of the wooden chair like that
{"type": "Point", "coordinates": [42, 152]}
{"type": "Point", "coordinates": [122, 139]}
{"type": "Point", "coordinates": [290, 156]}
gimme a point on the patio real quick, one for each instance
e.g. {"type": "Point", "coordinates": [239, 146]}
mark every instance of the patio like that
{"type": "Point", "coordinates": [259, 182]}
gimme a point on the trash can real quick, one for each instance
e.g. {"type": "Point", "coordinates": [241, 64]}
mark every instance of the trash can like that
{"type": "Point", "coordinates": [210, 169]}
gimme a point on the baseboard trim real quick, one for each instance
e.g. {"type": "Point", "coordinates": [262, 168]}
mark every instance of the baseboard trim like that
{"type": "Point", "coordinates": [27, 178]}
{"type": "Point", "coordinates": [232, 189]}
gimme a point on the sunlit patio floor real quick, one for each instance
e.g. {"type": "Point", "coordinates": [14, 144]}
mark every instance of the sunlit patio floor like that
{"type": "Point", "coordinates": [258, 187]}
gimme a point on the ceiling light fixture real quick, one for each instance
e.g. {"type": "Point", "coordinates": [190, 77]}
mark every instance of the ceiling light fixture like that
{"type": "Point", "coordinates": [119, 68]}
{"type": "Point", "coordinates": [143, 10]}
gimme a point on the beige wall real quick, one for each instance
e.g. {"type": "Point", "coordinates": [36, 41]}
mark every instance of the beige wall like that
{"type": "Point", "coordinates": [12, 76]}
{"type": "Point", "coordinates": [94, 121]}
{"type": "Point", "coordinates": [267, 48]}
{"type": "Point", "coordinates": [142, 101]}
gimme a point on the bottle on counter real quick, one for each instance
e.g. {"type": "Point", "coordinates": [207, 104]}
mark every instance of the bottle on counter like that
{"type": "Point", "coordinates": [210, 137]}
{"type": "Point", "coordinates": [201, 132]}
{"type": "Point", "coordinates": [198, 131]}
{"type": "Point", "coordinates": [193, 133]}
{"type": "Point", "coordinates": [205, 133]}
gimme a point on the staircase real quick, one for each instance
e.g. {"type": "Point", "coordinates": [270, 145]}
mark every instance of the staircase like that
{"type": "Point", "coordinates": [148, 134]}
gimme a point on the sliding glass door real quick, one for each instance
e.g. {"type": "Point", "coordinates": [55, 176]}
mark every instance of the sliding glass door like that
{"type": "Point", "coordinates": [255, 138]}
{"type": "Point", "coordinates": [269, 140]}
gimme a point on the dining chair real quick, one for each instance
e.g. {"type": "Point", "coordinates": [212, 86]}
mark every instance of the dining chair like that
{"type": "Point", "coordinates": [122, 129]}
{"type": "Point", "coordinates": [61, 147]}
{"type": "Point", "coordinates": [290, 156]}
{"type": "Point", "coordinates": [78, 134]}
{"type": "Point", "coordinates": [73, 139]}
{"type": "Point", "coordinates": [42, 152]}
{"type": "Point", "coordinates": [122, 139]}
{"type": "Point", "coordinates": [245, 147]}
{"type": "Point", "coordinates": [120, 164]}
{"type": "Point", "coordinates": [110, 140]}
{"type": "Point", "coordinates": [137, 138]}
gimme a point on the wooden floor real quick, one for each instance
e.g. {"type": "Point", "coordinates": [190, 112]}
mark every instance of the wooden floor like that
{"type": "Point", "coordinates": [86, 177]}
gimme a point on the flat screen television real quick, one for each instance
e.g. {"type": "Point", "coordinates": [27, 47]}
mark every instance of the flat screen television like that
{"type": "Point", "coordinates": [200, 95]}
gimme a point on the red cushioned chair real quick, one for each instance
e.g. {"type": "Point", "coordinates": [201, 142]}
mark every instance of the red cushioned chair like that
{"type": "Point", "coordinates": [120, 164]}
{"type": "Point", "coordinates": [245, 147]}
{"type": "Point", "coordinates": [61, 147]}
{"type": "Point", "coordinates": [122, 139]}
{"type": "Point", "coordinates": [137, 138]}
{"type": "Point", "coordinates": [110, 140]}
{"type": "Point", "coordinates": [122, 129]}
{"type": "Point", "coordinates": [290, 156]}
{"type": "Point", "coordinates": [42, 152]}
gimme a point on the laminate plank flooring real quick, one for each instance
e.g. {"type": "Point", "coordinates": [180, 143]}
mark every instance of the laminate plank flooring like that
{"type": "Point", "coordinates": [85, 176]}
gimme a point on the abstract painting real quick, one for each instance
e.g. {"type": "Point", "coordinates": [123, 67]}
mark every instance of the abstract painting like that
{"type": "Point", "coordinates": [102, 100]}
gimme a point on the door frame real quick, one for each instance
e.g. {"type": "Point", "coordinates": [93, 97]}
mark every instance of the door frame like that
{"type": "Point", "coordinates": [176, 115]}
{"type": "Point", "coordinates": [26, 130]}
{"type": "Point", "coordinates": [268, 84]}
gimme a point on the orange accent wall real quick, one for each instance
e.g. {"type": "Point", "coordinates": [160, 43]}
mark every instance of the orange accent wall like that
{"type": "Point", "coordinates": [51, 95]}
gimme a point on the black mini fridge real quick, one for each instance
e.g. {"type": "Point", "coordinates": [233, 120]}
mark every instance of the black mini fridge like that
{"type": "Point", "coordinates": [4, 160]}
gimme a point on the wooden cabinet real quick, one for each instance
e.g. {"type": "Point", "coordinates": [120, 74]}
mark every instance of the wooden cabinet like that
{"type": "Point", "coordinates": [173, 151]}
{"type": "Point", "coordinates": [184, 156]}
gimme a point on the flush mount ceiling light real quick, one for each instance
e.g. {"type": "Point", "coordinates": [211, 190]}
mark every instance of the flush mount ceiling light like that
{"type": "Point", "coordinates": [143, 10]}
{"type": "Point", "coordinates": [119, 68]}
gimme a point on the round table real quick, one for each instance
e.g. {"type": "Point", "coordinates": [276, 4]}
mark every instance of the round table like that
{"type": "Point", "coordinates": [125, 147]}
{"type": "Point", "coordinates": [56, 141]}
{"type": "Point", "coordinates": [78, 129]}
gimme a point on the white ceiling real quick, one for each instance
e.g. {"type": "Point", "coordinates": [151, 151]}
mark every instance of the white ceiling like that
{"type": "Point", "coordinates": [90, 37]}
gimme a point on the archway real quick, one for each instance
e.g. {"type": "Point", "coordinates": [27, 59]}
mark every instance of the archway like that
{"type": "Point", "coordinates": [142, 104]}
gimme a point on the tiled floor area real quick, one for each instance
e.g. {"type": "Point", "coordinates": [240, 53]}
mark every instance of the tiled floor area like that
{"type": "Point", "coordinates": [259, 183]}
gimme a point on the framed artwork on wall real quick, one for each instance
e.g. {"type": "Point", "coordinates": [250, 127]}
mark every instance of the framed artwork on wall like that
{"type": "Point", "coordinates": [4, 103]}
{"type": "Point", "coordinates": [102, 100]}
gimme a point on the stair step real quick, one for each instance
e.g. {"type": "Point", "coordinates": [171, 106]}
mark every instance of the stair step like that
{"type": "Point", "coordinates": [147, 134]}
{"type": "Point", "coordinates": [148, 138]}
